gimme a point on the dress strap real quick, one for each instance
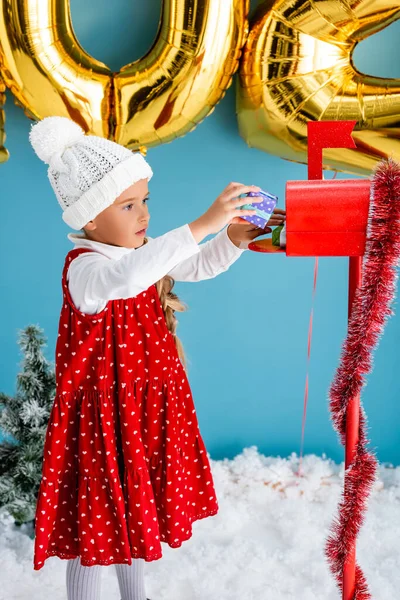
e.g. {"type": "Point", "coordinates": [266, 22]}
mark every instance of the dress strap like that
{"type": "Point", "coordinates": [72, 254]}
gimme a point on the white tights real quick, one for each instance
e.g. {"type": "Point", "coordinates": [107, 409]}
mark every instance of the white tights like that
{"type": "Point", "coordinates": [83, 583]}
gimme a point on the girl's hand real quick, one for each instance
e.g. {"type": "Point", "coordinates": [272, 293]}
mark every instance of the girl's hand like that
{"type": "Point", "coordinates": [278, 217]}
{"type": "Point", "coordinates": [246, 232]}
{"type": "Point", "coordinates": [224, 210]}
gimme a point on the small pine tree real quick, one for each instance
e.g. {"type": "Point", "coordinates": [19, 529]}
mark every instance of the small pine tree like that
{"type": "Point", "coordinates": [24, 417]}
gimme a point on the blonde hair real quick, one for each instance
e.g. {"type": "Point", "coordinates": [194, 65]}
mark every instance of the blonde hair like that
{"type": "Point", "coordinates": [170, 304]}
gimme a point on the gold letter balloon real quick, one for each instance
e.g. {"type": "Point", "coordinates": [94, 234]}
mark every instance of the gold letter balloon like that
{"type": "Point", "coordinates": [153, 100]}
{"type": "Point", "coordinates": [297, 66]}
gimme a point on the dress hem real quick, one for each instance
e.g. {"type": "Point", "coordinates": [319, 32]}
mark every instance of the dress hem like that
{"type": "Point", "coordinates": [105, 562]}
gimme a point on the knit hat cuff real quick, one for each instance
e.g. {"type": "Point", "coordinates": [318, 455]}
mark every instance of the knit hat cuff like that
{"type": "Point", "coordinates": [104, 192]}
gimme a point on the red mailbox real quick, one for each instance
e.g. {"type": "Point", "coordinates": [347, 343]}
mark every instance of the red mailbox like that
{"type": "Point", "coordinates": [327, 218]}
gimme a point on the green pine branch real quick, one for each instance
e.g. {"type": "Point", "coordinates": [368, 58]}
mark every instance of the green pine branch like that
{"type": "Point", "coordinates": [24, 418]}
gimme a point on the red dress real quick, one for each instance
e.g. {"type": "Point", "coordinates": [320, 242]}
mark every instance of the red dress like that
{"type": "Point", "coordinates": [124, 465]}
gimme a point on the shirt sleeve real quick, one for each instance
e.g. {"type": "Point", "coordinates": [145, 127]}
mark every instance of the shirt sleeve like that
{"type": "Point", "coordinates": [94, 279]}
{"type": "Point", "coordinates": [215, 257]}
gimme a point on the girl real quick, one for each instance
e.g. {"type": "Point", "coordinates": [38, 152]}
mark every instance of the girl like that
{"type": "Point", "coordinates": [124, 467]}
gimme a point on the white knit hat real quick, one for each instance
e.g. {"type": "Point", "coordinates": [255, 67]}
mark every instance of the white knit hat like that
{"type": "Point", "coordinates": [87, 172]}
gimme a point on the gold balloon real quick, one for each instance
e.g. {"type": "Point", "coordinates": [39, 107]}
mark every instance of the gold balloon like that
{"type": "Point", "coordinates": [297, 66]}
{"type": "Point", "coordinates": [153, 100]}
{"type": "Point", "coordinates": [46, 69]}
{"type": "Point", "coordinates": [178, 83]}
{"type": "Point", "coordinates": [3, 152]}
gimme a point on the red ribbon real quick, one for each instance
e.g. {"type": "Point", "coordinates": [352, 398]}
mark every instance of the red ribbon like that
{"type": "Point", "coordinates": [310, 329]}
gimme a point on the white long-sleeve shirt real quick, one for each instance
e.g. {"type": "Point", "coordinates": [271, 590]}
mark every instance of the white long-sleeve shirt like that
{"type": "Point", "coordinates": [114, 272]}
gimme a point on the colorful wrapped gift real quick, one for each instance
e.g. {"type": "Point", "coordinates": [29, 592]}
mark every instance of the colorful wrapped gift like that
{"type": "Point", "coordinates": [263, 209]}
{"type": "Point", "coordinates": [276, 235]}
{"type": "Point", "coordinates": [279, 236]}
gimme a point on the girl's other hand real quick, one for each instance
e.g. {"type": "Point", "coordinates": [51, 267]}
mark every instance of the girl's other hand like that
{"type": "Point", "coordinates": [239, 233]}
{"type": "Point", "coordinates": [244, 231]}
{"type": "Point", "coordinates": [278, 217]}
{"type": "Point", "coordinates": [224, 210]}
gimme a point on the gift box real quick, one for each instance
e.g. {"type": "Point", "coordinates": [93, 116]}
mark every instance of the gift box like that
{"type": "Point", "coordinates": [279, 236]}
{"type": "Point", "coordinates": [263, 209]}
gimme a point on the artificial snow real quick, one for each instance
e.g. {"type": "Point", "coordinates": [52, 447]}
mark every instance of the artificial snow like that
{"type": "Point", "coordinates": [266, 542]}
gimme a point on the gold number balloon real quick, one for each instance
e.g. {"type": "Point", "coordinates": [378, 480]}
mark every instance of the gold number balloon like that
{"type": "Point", "coordinates": [177, 84]}
{"type": "Point", "coordinates": [297, 66]}
{"type": "Point", "coordinates": [47, 70]}
{"type": "Point", "coordinates": [153, 100]}
{"type": "Point", "coordinates": [3, 152]}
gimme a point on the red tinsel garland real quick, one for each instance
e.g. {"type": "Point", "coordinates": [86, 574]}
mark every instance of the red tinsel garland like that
{"type": "Point", "coordinates": [371, 309]}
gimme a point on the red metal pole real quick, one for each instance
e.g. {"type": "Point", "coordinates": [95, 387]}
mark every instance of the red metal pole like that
{"type": "Point", "coordinates": [352, 429]}
{"type": "Point", "coordinates": [338, 135]}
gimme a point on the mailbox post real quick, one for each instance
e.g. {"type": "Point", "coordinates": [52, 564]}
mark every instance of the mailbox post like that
{"type": "Point", "coordinates": [329, 218]}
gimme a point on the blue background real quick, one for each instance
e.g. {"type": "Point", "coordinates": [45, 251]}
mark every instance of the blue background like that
{"type": "Point", "coordinates": [246, 331]}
